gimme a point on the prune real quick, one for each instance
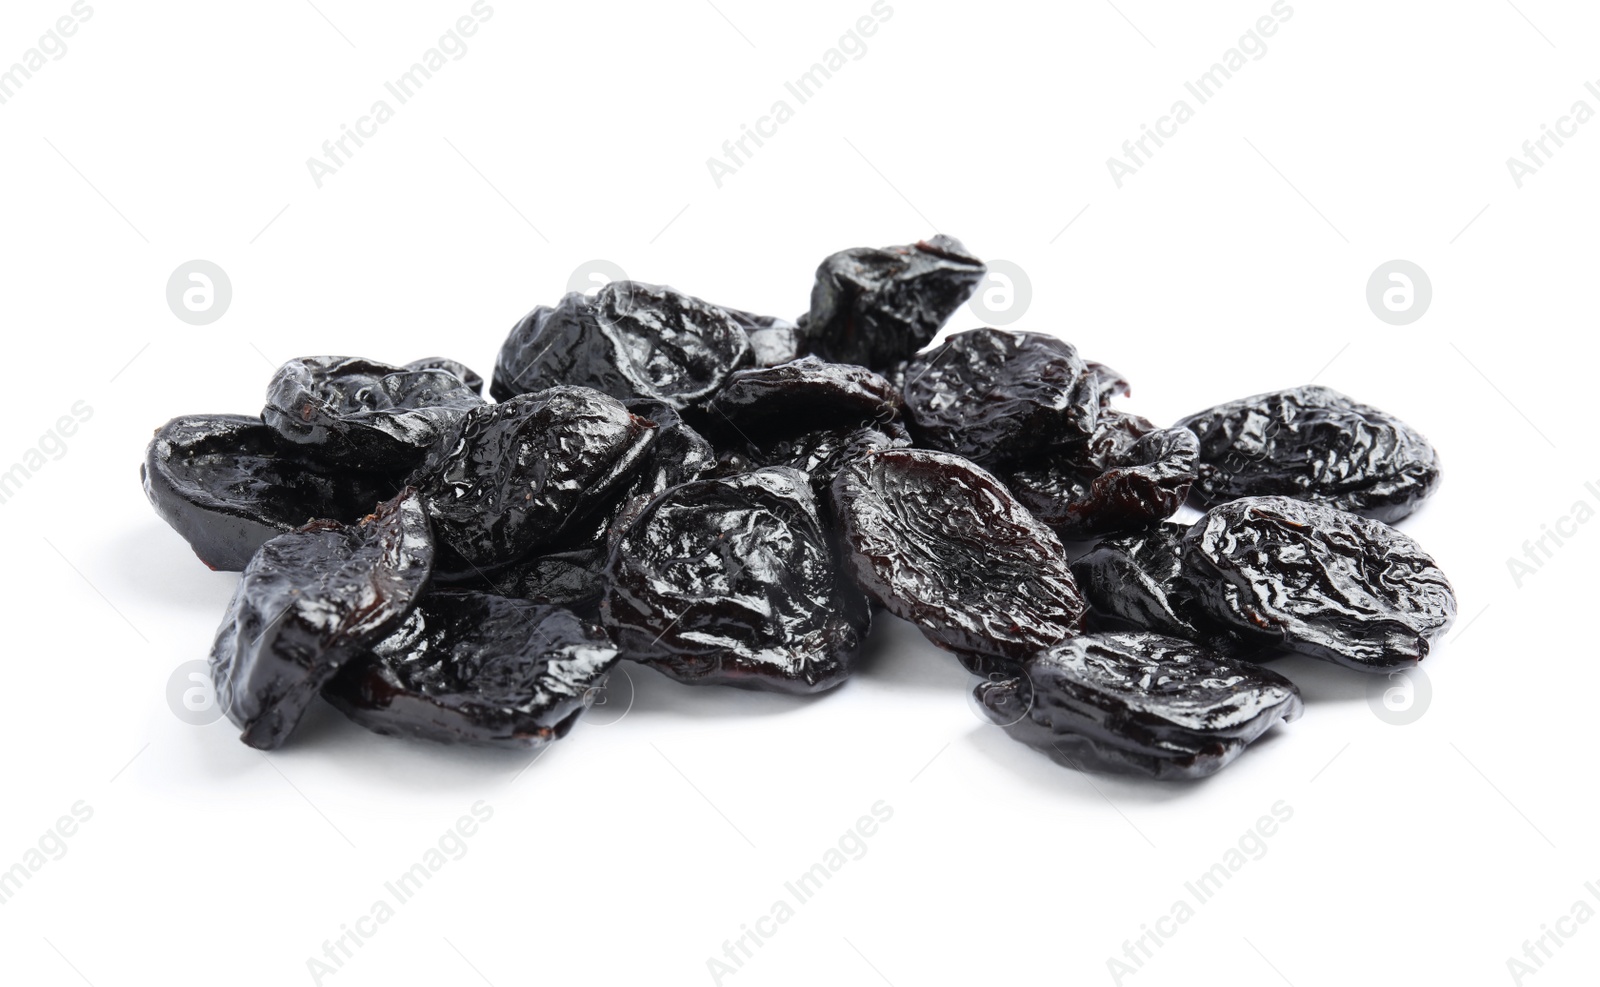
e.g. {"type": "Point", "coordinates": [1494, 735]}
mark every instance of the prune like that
{"type": "Point", "coordinates": [821, 455]}
{"type": "Point", "coordinates": [522, 473]}
{"type": "Point", "coordinates": [1139, 703]}
{"type": "Point", "coordinates": [473, 668]}
{"type": "Point", "coordinates": [804, 395]}
{"type": "Point", "coordinates": [733, 581]}
{"type": "Point", "coordinates": [226, 486]}
{"type": "Point", "coordinates": [943, 544]}
{"type": "Point", "coordinates": [468, 376]}
{"type": "Point", "coordinates": [573, 579]}
{"type": "Point", "coordinates": [1129, 475]}
{"type": "Point", "coordinates": [1317, 580]}
{"type": "Point", "coordinates": [1312, 443]}
{"type": "Point", "coordinates": [1108, 383]}
{"type": "Point", "coordinates": [872, 307]}
{"type": "Point", "coordinates": [309, 601]}
{"type": "Point", "coordinates": [999, 397]}
{"type": "Point", "coordinates": [772, 340]}
{"type": "Point", "coordinates": [630, 340]}
{"type": "Point", "coordinates": [363, 414]}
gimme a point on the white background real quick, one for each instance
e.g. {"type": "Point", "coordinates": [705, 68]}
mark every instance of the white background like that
{"type": "Point", "coordinates": [1234, 262]}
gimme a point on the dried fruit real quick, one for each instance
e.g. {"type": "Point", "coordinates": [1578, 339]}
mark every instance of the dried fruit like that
{"type": "Point", "coordinates": [309, 601]}
{"type": "Point", "coordinates": [1315, 444]}
{"type": "Point", "coordinates": [804, 395]}
{"type": "Point", "coordinates": [1139, 703]}
{"type": "Point", "coordinates": [467, 374]}
{"type": "Point", "coordinates": [943, 544]}
{"type": "Point", "coordinates": [472, 668]}
{"type": "Point", "coordinates": [733, 581]}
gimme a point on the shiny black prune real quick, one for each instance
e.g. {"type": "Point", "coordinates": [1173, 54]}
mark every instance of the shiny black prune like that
{"type": "Point", "coordinates": [1317, 580]}
{"type": "Point", "coordinates": [821, 455]}
{"type": "Point", "coordinates": [804, 395]}
{"type": "Point", "coordinates": [772, 340]}
{"type": "Point", "coordinates": [1312, 443]}
{"type": "Point", "coordinates": [1140, 704]}
{"type": "Point", "coordinates": [999, 397]}
{"type": "Point", "coordinates": [1132, 580]}
{"type": "Point", "coordinates": [521, 474]}
{"type": "Point", "coordinates": [943, 544]}
{"type": "Point", "coordinates": [226, 485]}
{"type": "Point", "coordinates": [468, 376]}
{"type": "Point", "coordinates": [309, 601]}
{"type": "Point", "coordinates": [733, 581]}
{"type": "Point", "coordinates": [478, 669]}
{"type": "Point", "coordinates": [573, 579]}
{"type": "Point", "coordinates": [873, 307]}
{"type": "Point", "coordinates": [1129, 475]}
{"type": "Point", "coordinates": [630, 340]}
{"type": "Point", "coordinates": [363, 414]}
{"type": "Point", "coordinates": [1108, 383]}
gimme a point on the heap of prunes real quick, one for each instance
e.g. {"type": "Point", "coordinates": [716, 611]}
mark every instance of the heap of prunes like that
{"type": "Point", "coordinates": [731, 498]}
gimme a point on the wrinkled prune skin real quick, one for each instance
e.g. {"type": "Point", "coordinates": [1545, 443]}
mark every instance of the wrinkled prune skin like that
{"type": "Point", "coordinates": [478, 669]}
{"type": "Point", "coordinates": [821, 455]}
{"type": "Point", "coordinates": [468, 376]}
{"type": "Point", "coordinates": [1108, 383]}
{"type": "Point", "coordinates": [1132, 580]}
{"type": "Point", "coordinates": [1317, 580]}
{"type": "Point", "coordinates": [1128, 476]}
{"type": "Point", "coordinates": [1139, 703]}
{"type": "Point", "coordinates": [804, 395]}
{"type": "Point", "coordinates": [942, 543]}
{"type": "Point", "coordinates": [1312, 443]}
{"type": "Point", "coordinates": [630, 340]}
{"type": "Point", "coordinates": [309, 601]}
{"type": "Point", "coordinates": [362, 414]}
{"type": "Point", "coordinates": [573, 579]}
{"type": "Point", "coordinates": [772, 340]}
{"type": "Point", "coordinates": [225, 484]}
{"type": "Point", "coordinates": [521, 474]}
{"type": "Point", "coordinates": [734, 581]}
{"type": "Point", "coordinates": [873, 307]}
{"type": "Point", "coordinates": [999, 397]}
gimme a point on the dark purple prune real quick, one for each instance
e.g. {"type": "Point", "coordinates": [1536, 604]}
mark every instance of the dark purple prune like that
{"type": "Point", "coordinates": [468, 376]}
{"type": "Point", "coordinates": [734, 581]}
{"type": "Point", "coordinates": [1317, 580]}
{"type": "Point", "coordinates": [772, 340]}
{"type": "Point", "coordinates": [522, 473]}
{"type": "Point", "coordinates": [225, 484]}
{"type": "Point", "coordinates": [999, 397]}
{"type": "Point", "coordinates": [309, 601]}
{"type": "Point", "coordinates": [1140, 704]}
{"type": "Point", "coordinates": [630, 340]}
{"type": "Point", "coordinates": [943, 544]}
{"type": "Point", "coordinates": [821, 455]}
{"type": "Point", "coordinates": [873, 307]}
{"type": "Point", "coordinates": [1108, 383]}
{"type": "Point", "coordinates": [804, 395]}
{"type": "Point", "coordinates": [1312, 443]}
{"type": "Point", "coordinates": [573, 579]}
{"type": "Point", "coordinates": [364, 414]}
{"type": "Point", "coordinates": [1128, 476]}
{"type": "Point", "coordinates": [479, 669]}
{"type": "Point", "coordinates": [1132, 580]}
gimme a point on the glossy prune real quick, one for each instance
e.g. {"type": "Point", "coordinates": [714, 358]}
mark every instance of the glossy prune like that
{"type": "Point", "coordinates": [1128, 476]}
{"type": "Point", "coordinates": [630, 340]}
{"type": "Point", "coordinates": [772, 340]}
{"type": "Point", "coordinates": [1132, 580]}
{"type": "Point", "coordinates": [362, 414]}
{"type": "Point", "coordinates": [873, 307]}
{"type": "Point", "coordinates": [468, 376]}
{"type": "Point", "coordinates": [1312, 443]}
{"type": "Point", "coordinates": [821, 455]}
{"type": "Point", "coordinates": [309, 601]}
{"type": "Point", "coordinates": [473, 668]}
{"type": "Point", "coordinates": [733, 581]}
{"type": "Point", "coordinates": [1317, 580]}
{"type": "Point", "coordinates": [522, 473]}
{"type": "Point", "coordinates": [1108, 383]}
{"type": "Point", "coordinates": [1139, 703]}
{"type": "Point", "coordinates": [804, 395]}
{"type": "Point", "coordinates": [225, 484]}
{"type": "Point", "coordinates": [999, 397]}
{"type": "Point", "coordinates": [943, 544]}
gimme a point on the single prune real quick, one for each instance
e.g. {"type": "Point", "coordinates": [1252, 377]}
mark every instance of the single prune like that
{"type": "Point", "coordinates": [474, 668]}
{"type": "Point", "coordinates": [1129, 475]}
{"type": "Point", "coordinates": [1312, 443]}
{"type": "Point", "coordinates": [999, 397]}
{"type": "Point", "coordinates": [630, 340]}
{"type": "Point", "coordinates": [468, 376]}
{"type": "Point", "coordinates": [363, 414]}
{"type": "Point", "coordinates": [942, 543]}
{"type": "Point", "coordinates": [1108, 383]}
{"type": "Point", "coordinates": [1317, 580]}
{"type": "Point", "coordinates": [1139, 703]}
{"type": "Point", "coordinates": [1132, 580]}
{"type": "Point", "coordinates": [873, 307]}
{"type": "Point", "coordinates": [225, 484]}
{"type": "Point", "coordinates": [309, 601]}
{"type": "Point", "coordinates": [772, 340]}
{"type": "Point", "coordinates": [733, 581]}
{"type": "Point", "coordinates": [522, 473]}
{"type": "Point", "coordinates": [804, 395]}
